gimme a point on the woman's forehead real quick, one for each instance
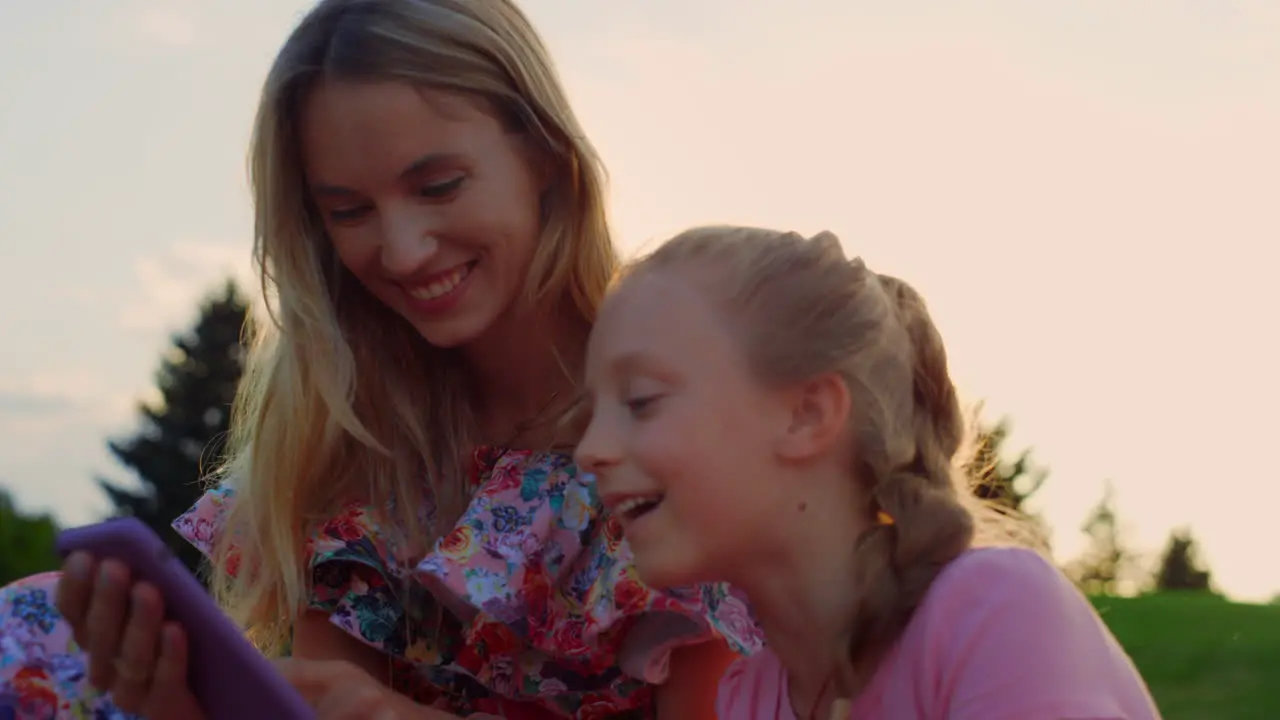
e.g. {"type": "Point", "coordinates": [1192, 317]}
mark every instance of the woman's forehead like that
{"type": "Point", "coordinates": [382, 127]}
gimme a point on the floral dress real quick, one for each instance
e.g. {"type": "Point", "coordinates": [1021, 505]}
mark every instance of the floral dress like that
{"type": "Point", "coordinates": [529, 608]}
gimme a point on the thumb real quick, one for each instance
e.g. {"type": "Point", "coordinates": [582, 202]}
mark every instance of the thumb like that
{"type": "Point", "coordinates": [309, 677]}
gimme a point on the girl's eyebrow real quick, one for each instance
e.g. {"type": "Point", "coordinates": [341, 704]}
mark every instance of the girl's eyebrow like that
{"type": "Point", "coordinates": [632, 361]}
{"type": "Point", "coordinates": [639, 362]}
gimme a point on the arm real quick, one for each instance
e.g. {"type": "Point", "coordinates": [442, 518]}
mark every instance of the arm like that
{"type": "Point", "coordinates": [315, 638]}
{"type": "Point", "coordinates": [342, 677]}
{"type": "Point", "coordinates": [690, 691]}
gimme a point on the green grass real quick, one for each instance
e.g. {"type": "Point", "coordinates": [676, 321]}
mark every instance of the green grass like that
{"type": "Point", "coordinates": [1202, 657]}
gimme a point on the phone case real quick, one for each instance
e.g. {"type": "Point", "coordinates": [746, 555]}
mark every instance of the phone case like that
{"type": "Point", "coordinates": [227, 675]}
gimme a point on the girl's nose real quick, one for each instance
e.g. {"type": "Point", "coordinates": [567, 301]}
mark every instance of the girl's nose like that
{"type": "Point", "coordinates": [593, 453]}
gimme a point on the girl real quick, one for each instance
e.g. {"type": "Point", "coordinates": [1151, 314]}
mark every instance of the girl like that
{"type": "Point", "coordinates": [771, 414]}
{"type": "Point", "coordinates": [399, 501]}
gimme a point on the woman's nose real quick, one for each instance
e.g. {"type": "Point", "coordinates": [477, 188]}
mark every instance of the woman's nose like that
{"type": "Point", "coordinates": [408, 243]}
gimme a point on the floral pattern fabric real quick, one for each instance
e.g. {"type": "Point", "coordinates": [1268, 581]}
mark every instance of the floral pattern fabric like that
{"type": "Point", "coordinates": [529, 608]}
{"type": "Point", "coordinates": [43, 674]}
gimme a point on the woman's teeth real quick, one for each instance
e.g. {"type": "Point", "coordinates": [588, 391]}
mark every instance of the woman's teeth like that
{"type": "Point", "coordinates": [634, 507]}
{"type": "Point", "coordinates": [441, 287]}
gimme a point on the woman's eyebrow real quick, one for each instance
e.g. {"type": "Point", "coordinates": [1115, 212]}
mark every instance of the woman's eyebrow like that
{"type": "Point", "coordinates": [427, 162]}
{"type": "Point", "coordinates": [430, 161]}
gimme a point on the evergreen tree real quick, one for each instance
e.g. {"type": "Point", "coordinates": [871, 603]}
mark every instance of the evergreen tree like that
{"type": "Point", "coordinates": [182, 434]}
{"type": "Point", "coordinates": [1005, 483]}
{"type": "Point", "coordinates": [1000, 481]}
{"type": "Point", "coordinates": [1106, 562]}
{"type": "Point", "coordinates": [26, 542]}
{"type": "Point", "coordinates": [1180, 567]}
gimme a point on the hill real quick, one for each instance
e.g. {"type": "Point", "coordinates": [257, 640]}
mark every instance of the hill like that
{"type": "Point", "coordinates": [1202, 656]}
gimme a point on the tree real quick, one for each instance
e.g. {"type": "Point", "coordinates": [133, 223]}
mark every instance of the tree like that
{"type": "Point", "coordinates": [1180, 567]}
{"type": "Point", "coordinates": [26, 542]}
{"type": "Point", "coordinates": [182, 433]}
{"type": "Point", "coordinates": [1003, 483]}
{"type": "Point", "coordinates": [1105, 563]}
{"type": "Point", "coordinates": [997, 480]}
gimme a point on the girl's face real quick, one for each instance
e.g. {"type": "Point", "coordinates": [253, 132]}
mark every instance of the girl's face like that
{"type": "Point", "coordinates": [429, 201]}
{"type": "Point", "coordinates": [681, 436]}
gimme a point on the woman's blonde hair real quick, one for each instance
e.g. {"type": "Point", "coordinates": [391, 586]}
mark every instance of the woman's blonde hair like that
{"type": "Point", "coordinates": [802, 309]}
{"type": "Point", "coordinates": [342, 399]}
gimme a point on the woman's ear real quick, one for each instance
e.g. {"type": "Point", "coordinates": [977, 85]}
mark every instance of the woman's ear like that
{"type": "Point", "coordinates": [819, 415]}
{"type": "Point", "coordinates": [542, 162]}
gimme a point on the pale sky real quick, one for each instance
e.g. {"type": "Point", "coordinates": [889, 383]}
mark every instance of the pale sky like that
{"type": "Point", "coordinates": [1088, 193]}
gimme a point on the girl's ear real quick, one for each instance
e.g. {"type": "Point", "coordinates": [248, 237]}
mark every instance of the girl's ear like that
{"type": "Point", "coordinates": [819, 415]}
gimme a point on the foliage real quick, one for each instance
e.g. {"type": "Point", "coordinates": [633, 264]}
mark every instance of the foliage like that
{"type": "Point", "coordinates": [1180, 567]}
{"type": "Point", "coordinates": [26, 542]}
{"type": "Point", "coordinates": [1107, 561]}
{"type": "Point", "coordinates": [1006, 483]}
{"type": "Point", "coordinates": [181, 435]}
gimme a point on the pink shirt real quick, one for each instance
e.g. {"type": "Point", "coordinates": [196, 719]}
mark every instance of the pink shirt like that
{"type": "Point", "coordinates": [1001, 635]}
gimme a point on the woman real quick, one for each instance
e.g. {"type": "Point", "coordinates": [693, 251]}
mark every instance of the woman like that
{"type": "Point", "coordinates": [400, 502]}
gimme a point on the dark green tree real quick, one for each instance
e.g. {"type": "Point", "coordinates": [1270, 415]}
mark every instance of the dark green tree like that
{"type": "Point", "coordinates": [1107, 561]}
{"type": "Point", "coordinates": [1180, 567]}
{"type": "Point", "coordinates": [1006, 481]}
{"type": "Point", "coordinates": [26, 542]}
{"type": "Point", "coordinates": [998, 479]}
{"type": "Point", "coordinates": [181, 435]}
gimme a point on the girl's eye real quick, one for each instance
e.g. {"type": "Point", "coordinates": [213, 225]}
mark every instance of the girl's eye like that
{"type": "Point", "coordinates": [440, 190]}
{"type": "Point", "coordinates": [640, 405]}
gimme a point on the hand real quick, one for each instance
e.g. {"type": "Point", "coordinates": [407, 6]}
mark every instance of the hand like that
{"type": "Point", "coordinates": [133, 654]}
{"type": "Point", "coordinates": [339, 690]}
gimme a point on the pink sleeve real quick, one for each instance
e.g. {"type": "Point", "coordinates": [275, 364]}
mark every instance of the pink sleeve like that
{"type": "Point", "coordinates": [1015, 640]}
{"type": "Point", "coordinates": [752, 688]}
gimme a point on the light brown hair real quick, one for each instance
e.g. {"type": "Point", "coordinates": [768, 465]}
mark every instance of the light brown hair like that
{"type": "Point", "coordinates": [802, 309]}
{"type": "Point", "coordinates": [341, 399]}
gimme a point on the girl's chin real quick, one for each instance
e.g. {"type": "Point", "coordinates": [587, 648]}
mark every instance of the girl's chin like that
{"type": "Point", "coordinates": [670, 573]}
{"type": "Point", "coordinates": [668, 564]}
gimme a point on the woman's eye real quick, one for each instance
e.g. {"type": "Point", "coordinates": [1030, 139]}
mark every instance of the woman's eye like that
{"type": "Point", "coordinates": [346, 215]}
{"type": "Point", "coordinates": [439, 190]}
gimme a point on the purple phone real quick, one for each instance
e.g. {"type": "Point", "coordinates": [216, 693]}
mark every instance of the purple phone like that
{"type": "Point", "coordinates": [227, 675]}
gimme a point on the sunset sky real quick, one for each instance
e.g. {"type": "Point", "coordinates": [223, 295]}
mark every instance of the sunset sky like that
{"type": "Point", "coordinates": [1088, 194]}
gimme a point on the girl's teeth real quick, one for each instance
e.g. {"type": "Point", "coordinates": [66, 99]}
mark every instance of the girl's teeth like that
{"type": "Point", "coordinates": [626, 507]}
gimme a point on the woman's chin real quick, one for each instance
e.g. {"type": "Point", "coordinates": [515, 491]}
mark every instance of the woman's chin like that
{"type": "Point", "coordinates": [453, 331]}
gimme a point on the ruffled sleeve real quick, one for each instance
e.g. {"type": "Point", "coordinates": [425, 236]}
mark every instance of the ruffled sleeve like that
{"type": "Point", "coordinates": [535, 557]}
{"type": "Point", "coordinates": [359, 576]}
{"type": "Point", "coordinates": [202, 525]}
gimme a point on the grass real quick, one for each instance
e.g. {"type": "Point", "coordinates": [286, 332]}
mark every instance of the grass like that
{"type": "Point", "coordinates": [1202, 656]}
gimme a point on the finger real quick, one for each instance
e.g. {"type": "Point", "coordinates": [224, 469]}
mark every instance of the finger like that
{"type": "Point", "coordinates": [135, 666]}
{"type": "Point", "coordinates": [170, 695]}
{"type": "Point", "coordinates": [105, 621]}
{"type": "Point", "coordinates": [312, 678]}
{"type": "Point", "coordinates": [74, 589]}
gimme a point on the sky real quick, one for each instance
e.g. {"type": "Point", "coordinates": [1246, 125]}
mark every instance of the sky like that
{"type": "Point", "coordinates": [1087, 193]}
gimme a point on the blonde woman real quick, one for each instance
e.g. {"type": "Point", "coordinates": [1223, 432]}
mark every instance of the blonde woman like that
{"type": "Point", "coordinates": [400, 512]}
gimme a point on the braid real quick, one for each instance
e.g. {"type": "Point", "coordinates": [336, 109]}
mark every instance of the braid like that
{"type": "Point", "coordinates": [897, 562]}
